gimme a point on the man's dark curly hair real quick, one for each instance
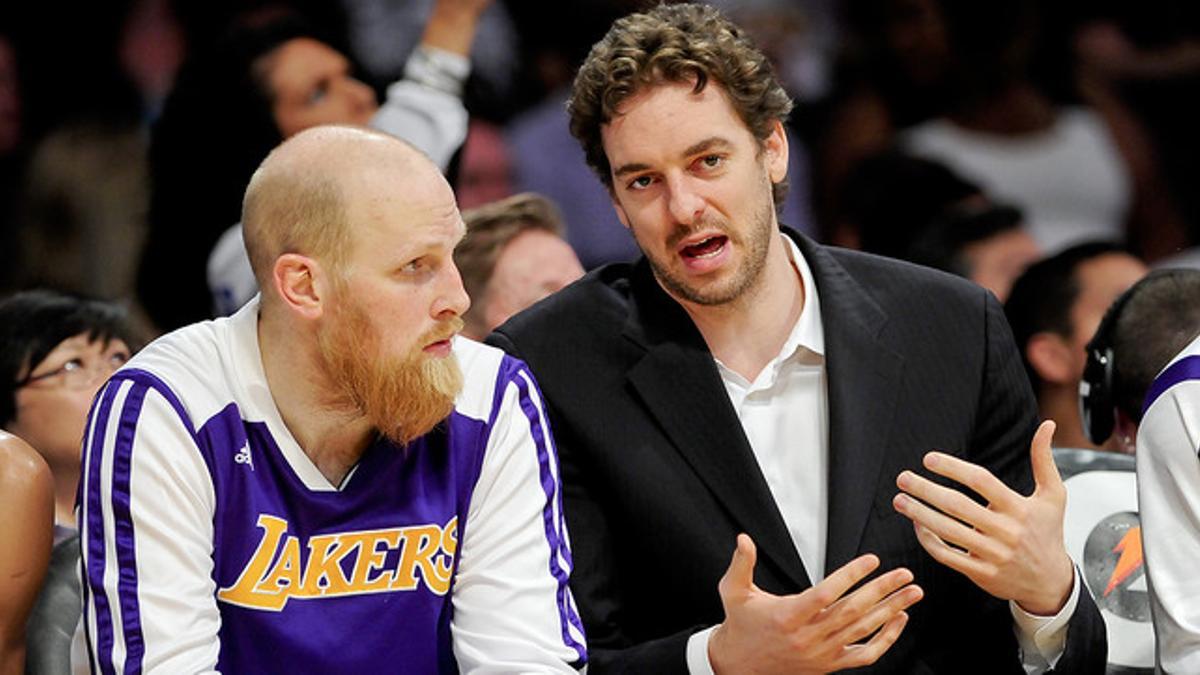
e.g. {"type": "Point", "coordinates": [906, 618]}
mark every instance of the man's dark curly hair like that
{"type": "Point", "coordinates": [673, 43]}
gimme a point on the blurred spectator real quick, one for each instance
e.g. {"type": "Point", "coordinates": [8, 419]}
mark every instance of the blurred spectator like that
{"type": "Point", "coordinates": [974, 94]}
{"type": "Point", "coordinates": [1054, 309]}
{"type": "Point", "coordinates": [1147, 54]}
{"type": "Point", "coordinates": [1142, 380]}
{"type": "Point", "coordinates": [83, 218]}
{"type": "Point", "coordinates": [485, 166]}
{"type": "Point", "coordinates": [55, 352]}
{"type": "Point", "coordinates": [11, 155]}
{"type": "Point", "coordinates": [890, 196]}
{"type": "Point", "coordinates": [27, 502]}
{"type": "Point", "coordinates": [383, 34]}
{"type": "Point", "coordinates": [983, 242]}
{"type": "Point", "coordinates": [918, 210]}
{"type": "Point", "coordinates": [10, 99]}
{"type": "Point", "coordinates": [81, 222]}
{"type": "Point", "coordinates": [233, 103]}
{"type": "Point", "coordinates": [512, 256]}
{"type": "Point", "coordinates": [547, 160]}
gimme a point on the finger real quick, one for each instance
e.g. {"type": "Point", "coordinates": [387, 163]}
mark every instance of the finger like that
{"type": "Point", "coordinates": [946, 528]}
{"type": "Point", "coordinates": [864, 601]}
{"type": "Point", "coordinates": [951, 557]}
{"type": "Point", "coordinates": [975, 477]}
{"type": "Point", "coordinates": [739, 578]}
{"type": "Point", "coordinates": [879, 614]}
{"type": "Point", "coordinates": [947, 500]}
{"type": "Point", "coordinates": [828, 591]}
{"type": "Point", "coordinates": [1041, 455]}
{"type": "Point", "coordinates": [865, 654]}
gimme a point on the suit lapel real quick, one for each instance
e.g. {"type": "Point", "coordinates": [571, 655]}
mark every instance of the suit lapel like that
{"type": "Point", "coordinates": [678, 382]}
{"type": "Point", "coordinates": [862, 372]}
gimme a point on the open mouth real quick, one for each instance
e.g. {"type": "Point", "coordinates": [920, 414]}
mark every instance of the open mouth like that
{"type": "Point", "coordinates": [705, 248]}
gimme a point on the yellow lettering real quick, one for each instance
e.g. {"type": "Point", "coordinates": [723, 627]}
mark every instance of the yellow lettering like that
{"type": "Point", "coordinates": [418, 544]}
{"type": "Point", "coordinates": [371, 559]}
{"type": "Point", "coordinates": [325, 554]}
{"type": "Point", "coordinates": [443, 569]}
{"type": "Point", "coordinates": [276, 572]}
{"type": "Point", "coordinates": [245, 590]}
{"type": "Point", "coordinates": [284, 578]}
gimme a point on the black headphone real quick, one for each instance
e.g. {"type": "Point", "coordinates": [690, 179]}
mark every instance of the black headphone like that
{"type": "Point", "coordinates": [1096, 404]}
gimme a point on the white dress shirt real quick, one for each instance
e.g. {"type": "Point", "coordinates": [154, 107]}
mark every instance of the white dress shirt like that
{"type": "Point", "coordinates": [785, 415]}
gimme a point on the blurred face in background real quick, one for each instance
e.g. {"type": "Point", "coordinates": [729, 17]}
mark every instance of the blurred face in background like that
{"type": "Point", "coordinates": [533, 265]}
{"type": "Point", "coordinates": [311, 84]}
{"type": "Point", "coordinates": [997, 261]}
{"type": "Point", "coordinates": [53, 400]}
{"type": "Point", "coordinates": [1101, 280]}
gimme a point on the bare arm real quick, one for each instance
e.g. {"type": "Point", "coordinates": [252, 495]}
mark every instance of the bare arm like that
{"type": "Point", "coordinates": [27, 530]}
{"type": "Point", "coordinates": [452, 25]}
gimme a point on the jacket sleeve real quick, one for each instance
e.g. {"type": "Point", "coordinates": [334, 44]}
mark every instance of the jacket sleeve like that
{"type": "Point", "coordinates": [595, 579]}
{"type": "Point", "coordinates": [146, 532]}
{"type": "Point", "coordinates": [513, 608]}
{"type": "Point", "coordinates": [425, 108]}
{"type": "Point", "coordinates": [1168, 477]}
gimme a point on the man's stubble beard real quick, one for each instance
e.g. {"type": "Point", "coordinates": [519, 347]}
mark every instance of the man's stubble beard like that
{"type": "Point", "coordinates": [403, 397]}
{"type": "Point", "coordinates": [754, 244]}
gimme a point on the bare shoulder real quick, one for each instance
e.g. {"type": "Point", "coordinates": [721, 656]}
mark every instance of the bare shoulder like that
{"type": "Point", "coordinates": [24, 476]}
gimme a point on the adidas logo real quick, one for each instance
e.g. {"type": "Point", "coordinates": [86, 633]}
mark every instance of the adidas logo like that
{"type": "Point", "coordinates": [243, 456]}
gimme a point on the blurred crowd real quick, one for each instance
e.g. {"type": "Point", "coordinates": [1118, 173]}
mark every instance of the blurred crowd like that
{"type": "Point", "coordinates": [975, 137]}
{"type": "Point", "coordinates": [1044, 150]}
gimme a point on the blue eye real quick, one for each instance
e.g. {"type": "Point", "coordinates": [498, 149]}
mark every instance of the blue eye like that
{"type": "Point", "coordinates": [640, 183]}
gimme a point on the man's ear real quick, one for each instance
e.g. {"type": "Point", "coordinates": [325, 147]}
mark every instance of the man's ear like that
{"type": "Point", "coordinates": [1050, 356]}
{"type": "Point", "coordinates": [300, 284]}
{"type": "Point", "coordinates": [775, 148]}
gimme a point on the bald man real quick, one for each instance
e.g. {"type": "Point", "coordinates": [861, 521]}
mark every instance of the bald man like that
{"type": "Point", "coordinates": [330, 480]}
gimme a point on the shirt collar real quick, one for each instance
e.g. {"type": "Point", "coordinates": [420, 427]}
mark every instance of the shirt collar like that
{"type": "Point", "coordinates": [809, 331]}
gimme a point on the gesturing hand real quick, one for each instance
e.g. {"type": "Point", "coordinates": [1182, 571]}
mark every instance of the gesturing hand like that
{"type": "Point", "coordinates": [815, 631]}
{"type": "Point", "coordinates": [1012, 548]}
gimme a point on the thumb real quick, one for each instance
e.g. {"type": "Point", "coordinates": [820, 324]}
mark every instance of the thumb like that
{"type": "Point", "coordinates": [739, 578]}
{"type": "Point", "coordinates": [1045, 472]}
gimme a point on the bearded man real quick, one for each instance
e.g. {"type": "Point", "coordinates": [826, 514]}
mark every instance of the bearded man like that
{"type": "Point", "coordinates": [330, 480]}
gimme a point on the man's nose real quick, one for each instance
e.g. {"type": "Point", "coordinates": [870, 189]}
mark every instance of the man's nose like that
{"type": "Point", "coordinates": [685, 203]}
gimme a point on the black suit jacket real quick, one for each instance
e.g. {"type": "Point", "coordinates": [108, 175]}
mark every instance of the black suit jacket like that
{"type": "Point", "coordinates": [658, 477]}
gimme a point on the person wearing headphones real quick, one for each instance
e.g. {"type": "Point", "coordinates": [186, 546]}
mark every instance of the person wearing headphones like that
{"type": "Point", "coordinates": [1142, 383]}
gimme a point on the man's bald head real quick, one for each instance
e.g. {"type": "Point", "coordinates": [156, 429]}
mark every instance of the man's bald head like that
{"type": "Point", "coordinates": [298, 199]}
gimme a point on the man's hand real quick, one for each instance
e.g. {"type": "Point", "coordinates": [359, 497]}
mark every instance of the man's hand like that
{"type": "Point", "coordinates": [1012, 548]}
{"type": "Point", "coordinates": [815, 631]}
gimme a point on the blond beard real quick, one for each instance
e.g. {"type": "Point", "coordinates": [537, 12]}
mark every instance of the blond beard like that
{"type": "Point", "coordinates": [403, 397]}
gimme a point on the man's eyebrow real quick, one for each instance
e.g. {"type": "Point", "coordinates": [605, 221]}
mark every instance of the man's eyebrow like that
{"type": "Point", "coordinates": [710, 143]}
{"type": "Point", "coordinates": [626, 169]}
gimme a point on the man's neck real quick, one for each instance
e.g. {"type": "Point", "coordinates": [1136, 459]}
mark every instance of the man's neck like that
{"type": "Point", "coordinates": [332, 436]}
{"type": "Point", "coordinates": [747, 333]}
